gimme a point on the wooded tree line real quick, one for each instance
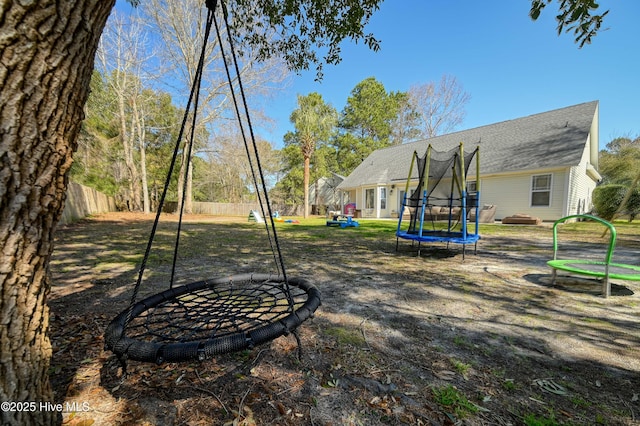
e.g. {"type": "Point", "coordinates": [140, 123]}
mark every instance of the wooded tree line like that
{"type": "Point", "coordinates": [128, 138]}
{"type": "Point", "coordinates": [325, 141]}
{"type": "Point", "coordinates": [132, 121]}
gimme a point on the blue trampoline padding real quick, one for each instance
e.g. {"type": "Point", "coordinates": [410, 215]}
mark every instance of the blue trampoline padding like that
{"type": "Point", "coordinates": [618, 271]}
{"type": "Point", "coordinates": [439, 236]}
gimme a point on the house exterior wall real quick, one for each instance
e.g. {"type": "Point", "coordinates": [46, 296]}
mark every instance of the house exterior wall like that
{"type": "Point", "coordinates": [359, 199]}
{"type": "Point", "coordinates": [328, 196]}
{"type": "Point", "coordinates": [511, 194]}
{"type": "Point", "coordinates": [571, 190]}
{"type": "Point", "coordinates": [380, 206]}
{"type": "Point", "coordinates": [581, 185]}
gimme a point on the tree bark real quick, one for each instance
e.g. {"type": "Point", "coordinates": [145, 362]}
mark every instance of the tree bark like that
{"type": "Point", "coordinates": [127, 137]}
{"type": "Point", "coordinates": [47, 50]}
{"type": "Point", "coordinates": [305, 180]}
{"type": "Point", "coordinates": [142, 134]}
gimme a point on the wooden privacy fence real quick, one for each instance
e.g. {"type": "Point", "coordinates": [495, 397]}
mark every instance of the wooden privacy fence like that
{"type": "Point", "coordinates": [233, 209]}
{"type": "Point", "coordinates": [224, 209]}
{"type": "Point", "coordinates": [83, 201]}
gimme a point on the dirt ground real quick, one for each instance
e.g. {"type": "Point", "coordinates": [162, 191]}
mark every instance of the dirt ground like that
{"type": "Point", "coordinates": [399, 339]}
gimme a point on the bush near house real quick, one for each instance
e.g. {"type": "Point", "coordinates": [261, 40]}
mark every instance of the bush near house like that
{"type": "Point", "coordinates": [607, 199]}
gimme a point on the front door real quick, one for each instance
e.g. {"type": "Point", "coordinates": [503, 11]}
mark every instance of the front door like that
{"type": "Point", "coordinates": [369, 202]}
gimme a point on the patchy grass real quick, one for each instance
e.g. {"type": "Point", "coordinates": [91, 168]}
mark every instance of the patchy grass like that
{"type": "Point", "coordinates": [399, 339]}
{"type": "Point", "coordinates": [452, 399]}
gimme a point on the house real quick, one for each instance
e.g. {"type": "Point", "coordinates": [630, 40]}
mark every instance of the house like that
{"type": "Point", "coordinates": [544, 165]}
{"type": "Point", "coordinates": [324, 194]}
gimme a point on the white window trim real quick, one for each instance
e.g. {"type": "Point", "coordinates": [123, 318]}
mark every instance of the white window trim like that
{"type": "Point", "coordinates": [385, 198]}
{"type": "Point", "coordinates": [368, 209]}
{"type": "Point", "coordinates": [550, 190]}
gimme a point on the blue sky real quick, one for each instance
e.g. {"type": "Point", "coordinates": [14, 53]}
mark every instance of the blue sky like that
{"type": "Point", "coordinates": [511, 66]}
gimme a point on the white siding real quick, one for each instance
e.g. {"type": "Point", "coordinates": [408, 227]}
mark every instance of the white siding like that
{"type": "Point", "coordinates": [393, 200]}
{"type": "Point", "coordinates": [511, 194]}
{"type": "Point", "coordinates": [580, 185]}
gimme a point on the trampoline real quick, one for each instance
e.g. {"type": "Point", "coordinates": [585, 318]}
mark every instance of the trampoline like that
{"type": "Point", "coordinates": [604, 270]}
{"type": "Point", "coordinates": [212, 316]}
{"type": "Point", "coordinates": [435, 171]}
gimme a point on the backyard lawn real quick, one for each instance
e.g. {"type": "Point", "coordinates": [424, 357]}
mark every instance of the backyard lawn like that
{"type": "Point", "coordinates": [399, 339]}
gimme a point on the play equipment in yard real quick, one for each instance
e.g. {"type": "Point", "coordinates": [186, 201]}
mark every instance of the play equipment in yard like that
{"type": "Point", "coordinates": [213, 316]}
{"type": "Point", "coordinates": [343, 221]}
{"type": "Point", "coordinates": [278, 218]}
{"type": "Point", "coordinates": [604, 270]}
{"type": "Point", "coordinates": [254, 216]}
{"type": "Point", "coordinates": [438, 206]}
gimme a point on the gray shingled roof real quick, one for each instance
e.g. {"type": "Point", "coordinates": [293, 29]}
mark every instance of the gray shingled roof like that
{"type": "Point", "coordinates": [547, 140]}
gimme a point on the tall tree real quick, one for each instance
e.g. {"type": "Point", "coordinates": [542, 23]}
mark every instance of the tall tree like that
{"type": "Point", "coordinates": [121, 57]}
{"type": "Point", "coordinates": [45, 70]}
{"type": "Point", "coordinates": [619, 162]}
{"type": "Point", "coordinates": [289, 187]}
{"type": "Point", "coordinates": [439, 106]}
{"type": "Point", "coordinates": [180, 29]}
{"type": "Point", "coordinates": [314, 121]}
{"type": "Point", "coordinates": [48, 49]}
{"type": "Point", "coordinates": [100, 161]}
{"type": "Point", "coordinates": [161, 125]}
{"type": "Point", "coordinates": [405, 127]}
{"type": "Point", "coordinates": [98, 152]}
{"type": "Point", "coordinates": [366, 122]}
{"type": "Point", "coordinates": [227, 175]}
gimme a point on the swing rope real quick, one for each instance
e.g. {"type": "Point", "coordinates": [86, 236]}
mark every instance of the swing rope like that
{"type": "Point", "coordinates": [194, 93]}
{"type": "Point", "coordinates": [279, 261]}
{"type": "Point", "coordinates": [203, 319]}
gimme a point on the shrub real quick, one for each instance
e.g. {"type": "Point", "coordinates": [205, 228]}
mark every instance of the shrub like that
{"type": "Point", "coordinates": [607, 199]}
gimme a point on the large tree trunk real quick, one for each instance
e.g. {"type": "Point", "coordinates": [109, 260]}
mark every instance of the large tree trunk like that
{"type": "Point", "coordinates": [142, 134]}
{"type": "Point", "coordinates": [46, 59]}
{"type": "Point", "coordinates": [185, 172]}
{"type": "Point", "coordinates": [305, 180]}
{"type": "Point", "coordinates": [128, 138]}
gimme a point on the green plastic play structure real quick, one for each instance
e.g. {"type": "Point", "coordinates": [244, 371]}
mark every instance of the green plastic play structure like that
{"type": "Point", "coordinates": [604, 270]}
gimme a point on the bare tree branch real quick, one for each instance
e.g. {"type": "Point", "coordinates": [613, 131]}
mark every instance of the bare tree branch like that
{"type": "Point", "coordinates": [440, 107]}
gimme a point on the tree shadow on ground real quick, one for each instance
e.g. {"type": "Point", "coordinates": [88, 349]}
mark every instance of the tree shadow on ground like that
{"type": "Point", "coordinates": [393, 329]}
{"type": "Point", "coordinates": [573, 284]}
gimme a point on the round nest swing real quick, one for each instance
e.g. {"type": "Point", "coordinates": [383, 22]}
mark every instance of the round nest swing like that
{"type": "Point", "coordinates": [207, 318]}
{"type": "Point", "coordinates": [200, 320]}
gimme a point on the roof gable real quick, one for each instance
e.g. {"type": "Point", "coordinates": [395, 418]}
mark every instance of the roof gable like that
{"type": "Point", "coordinates": [546, 140]}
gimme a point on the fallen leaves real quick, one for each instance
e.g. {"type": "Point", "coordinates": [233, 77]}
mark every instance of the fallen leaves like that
{"type": "Point", "coordinates": [445, 374]}
{"type": "Point", "coordinates": [549, 385]}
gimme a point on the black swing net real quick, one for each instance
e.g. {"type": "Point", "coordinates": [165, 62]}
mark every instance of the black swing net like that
{"type": "Point", "coordinates": [214, 316]}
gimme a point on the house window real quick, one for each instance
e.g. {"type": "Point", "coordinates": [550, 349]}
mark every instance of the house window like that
{"type": "Point", "coordinates": [472, 187]}
{"type": "Point", "coordinates": [541, 190]}
{"type": "Point", "coordinates": [472, 194]}
{"type": "Point", "coordinates": [383, 198]}
{"type": "Point", "coordinates": [369, 198]}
